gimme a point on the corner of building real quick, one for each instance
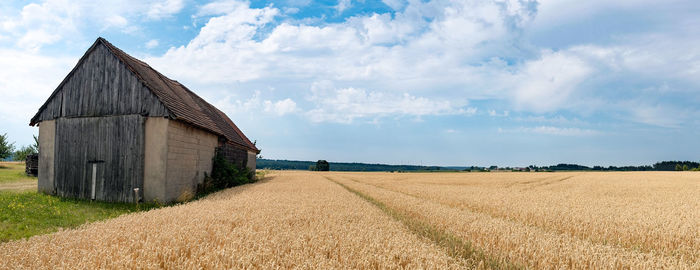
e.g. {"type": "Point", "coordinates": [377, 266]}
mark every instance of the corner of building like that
{"type": "Point", "coordinates": [155, 159]}
{"type": "Point", "coordinates": [47, 143]}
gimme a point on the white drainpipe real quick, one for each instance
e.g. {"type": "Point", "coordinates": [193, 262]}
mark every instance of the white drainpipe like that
{"type": "Point", "coordinates": [136, 195]}
{"type": "Point", "coordinates": [94, 176]}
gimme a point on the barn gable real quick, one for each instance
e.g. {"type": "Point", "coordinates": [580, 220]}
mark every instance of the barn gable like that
{"type": "Point", "coordinates": [175, 101]}
{"type": "Point", "coordinates": [100, 85]}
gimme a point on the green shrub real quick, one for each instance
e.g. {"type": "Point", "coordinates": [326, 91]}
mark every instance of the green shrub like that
{"type": "Point", "coordinates": [224, 174]}
{"type": "Point", "coordinates": [322, 165]}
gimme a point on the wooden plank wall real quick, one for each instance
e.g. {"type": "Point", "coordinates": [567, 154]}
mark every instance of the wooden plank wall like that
{"type": "Point", "coordinates": [116, 141]}
{"type": "Point", "coordinates": [102, 85]}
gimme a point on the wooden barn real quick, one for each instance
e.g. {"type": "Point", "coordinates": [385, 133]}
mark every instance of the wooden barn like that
{"type": "Point", "coordinates": [115, 124]}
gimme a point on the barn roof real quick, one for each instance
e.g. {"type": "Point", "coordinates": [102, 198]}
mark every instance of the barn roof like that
{"type": "Point", "coordinates": [183, 104]}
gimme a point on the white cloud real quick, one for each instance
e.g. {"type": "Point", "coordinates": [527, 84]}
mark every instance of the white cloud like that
{"type": "Point", "coordinates": [21, 89]}
{"type": "Point", "coordinates": [220, 7]}
{"type": "Point", "coordinates": [348, 104]}
{"type": "Point", "coordinates": [152, 44]}
{"type": "Point", "coordinates": [281, 107]}
{"type": "Point", "coordinates": [291, 10]}
{"type": "Point", "coordinates": [115, 21]}
{"type": "Point", "coordinates": [51, 21]}
{"type": "Point", "coordinates": [394, 4]}
{"type": "Point", "coordinates": [256, 104]}
{"type": "Point", "coordinates": [494, 113]}
{"type": "Point", "coordinates": [343, 5]}
{"type": "Point", "coordinates": [427, 50]}
{"type": "Point", "coordinates": [431, 50]}
{"type": "Point", "coordinates": [551, 130]}
{"type": "Point", "coordinates": [407, 48]}
{"type": "Point", "coordinates": [546, 84]}
{"type": "Point", "coordinates": [166, 8]}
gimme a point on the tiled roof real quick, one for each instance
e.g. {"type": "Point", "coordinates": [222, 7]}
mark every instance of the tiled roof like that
{"type": "Point", "coordinates": [183, 103]}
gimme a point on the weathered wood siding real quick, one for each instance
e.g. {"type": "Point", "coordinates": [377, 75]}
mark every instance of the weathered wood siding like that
{"type": "Point", "coordinates": [102, 85]}
{"type": "Point", "coordinates": [114, 143]}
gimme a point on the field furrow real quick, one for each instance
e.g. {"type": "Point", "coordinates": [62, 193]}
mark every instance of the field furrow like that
{"type": "Point", "coordinates": [629, 210]}
{"type": "Point", "coordinates": [514, 241]}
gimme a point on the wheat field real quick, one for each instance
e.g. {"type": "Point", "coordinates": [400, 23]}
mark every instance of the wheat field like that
{"type": "Point", "coordinates": [294, 219]}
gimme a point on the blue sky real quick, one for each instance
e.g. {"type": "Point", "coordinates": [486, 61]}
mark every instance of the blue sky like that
{"type": "Point", "coordinates": [508, 83]}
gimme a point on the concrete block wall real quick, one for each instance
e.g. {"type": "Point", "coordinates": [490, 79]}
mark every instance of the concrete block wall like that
{"type": "Point", "coordinates": [155, 159]}
{"type": "Point", "coordinates": [189, 157]}
{"type": "Point", "coordinates": [47, 137]}
{"type": "Point", "coordinates": [251, 160]}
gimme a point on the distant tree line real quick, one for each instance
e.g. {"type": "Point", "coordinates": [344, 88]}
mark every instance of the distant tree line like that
{"type": "Point", "coordinates": [659, 166]}
{"type": "Point", "coordinates": [339, 166]}
{"type": "Point", "coordinates": [366, 167]}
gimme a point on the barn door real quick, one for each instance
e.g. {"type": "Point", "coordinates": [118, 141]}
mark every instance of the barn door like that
{"type": "Point", "coordinates": [110, 148]}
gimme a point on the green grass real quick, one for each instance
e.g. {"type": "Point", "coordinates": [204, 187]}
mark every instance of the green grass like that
{"type": "Point", "coordinates": [27, 213]}
{"type": "Point", "coordinates": [24, 214]}
{"type": "Point", "coordinates": [12, 172]}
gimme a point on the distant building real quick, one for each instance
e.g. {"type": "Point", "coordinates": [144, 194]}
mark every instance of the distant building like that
{"type": "Point", "coordinates": [115, 124]}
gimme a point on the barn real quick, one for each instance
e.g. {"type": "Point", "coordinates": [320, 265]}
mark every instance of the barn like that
{"type": "Point", "coordinates": [115, 124]}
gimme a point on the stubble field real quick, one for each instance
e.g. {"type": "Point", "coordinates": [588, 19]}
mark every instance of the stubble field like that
{"type": "Point", "coordinates": [576, 220]}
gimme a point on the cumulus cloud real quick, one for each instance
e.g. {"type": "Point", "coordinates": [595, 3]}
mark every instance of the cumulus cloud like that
{"type": "Point", "coordinates": [425, 55]}
{"type": "Point", "coordinates": [255, 104]}
{"type": "Point", "coordinates": [546, 84]}
{"type": "Point", "coordinates": [430, 54]}
{"type": "Point", "coordinates": [345, 105]}
{"type": "Point", "coordinates": [453, 51]}
{"type": "Point", "coordinates": [51, 21]}
{"type": "Point", "coordinates": [417, 45]}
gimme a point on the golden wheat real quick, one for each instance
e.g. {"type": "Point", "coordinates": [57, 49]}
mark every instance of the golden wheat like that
{"type": "Point", "coordinates": [555, 220]}
{"type": "Point", "coordinates": [296, 220]}
{"type": "Point", "coordinates": [640, 220]}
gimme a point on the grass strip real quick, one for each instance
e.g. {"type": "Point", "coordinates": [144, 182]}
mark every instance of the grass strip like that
{"type": "Point", "coordinates": [24, 214]}
{"type": "Point", "coordinates": [455, 247]}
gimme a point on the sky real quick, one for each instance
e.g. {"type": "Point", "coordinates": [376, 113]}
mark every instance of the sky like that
{"type": "Point", "coordinates": [462, 83]}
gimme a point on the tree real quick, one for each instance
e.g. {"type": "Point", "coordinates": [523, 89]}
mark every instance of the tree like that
{"type": "Point", "coordinates": [6, 148]}
{"type": "Point", "coordinates": [35, 146]}
{"type": "Point", "coordinates": [322, 165]}
{"type": "Point", "coordinates": [678, 167]}
{"type": "Point", "coordinates": [685, 167]}
{"type": "Point", "coordinates": [23, 152]}
{"type": "Point", "coordinates": [312, 168]}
